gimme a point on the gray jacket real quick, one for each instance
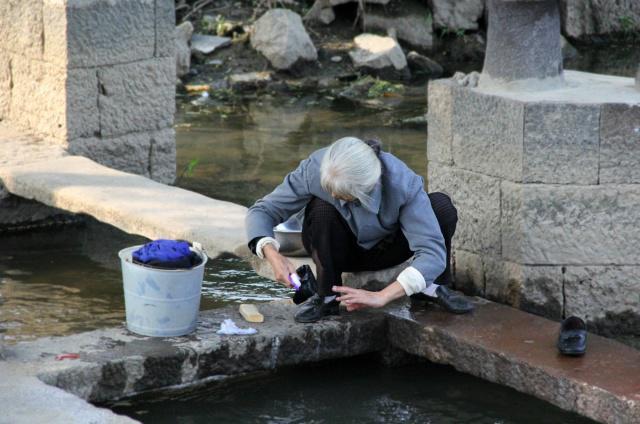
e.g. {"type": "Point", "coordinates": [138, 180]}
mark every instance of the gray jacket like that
{"type": "Point", "coordinates": [399, 202]}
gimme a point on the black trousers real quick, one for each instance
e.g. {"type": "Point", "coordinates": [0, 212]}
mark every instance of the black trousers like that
{"type": "Point", "coordinates": [334, 248]}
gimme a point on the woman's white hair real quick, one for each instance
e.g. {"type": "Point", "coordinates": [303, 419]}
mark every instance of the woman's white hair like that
{"type": "Point", "coordinates": [350, 169]}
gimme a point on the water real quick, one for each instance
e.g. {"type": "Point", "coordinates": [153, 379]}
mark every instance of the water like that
{"type": "Point", "coordinates": [245, 148]}
{"type": "Point", "coordinates": [355, 390]}
{"type": "Point", "coordinates": [55, 283]}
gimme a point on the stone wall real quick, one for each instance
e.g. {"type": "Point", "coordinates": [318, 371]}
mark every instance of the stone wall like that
{"type": "Point", "coordinates": [97, 76]}
{"type": "Point", "coordinates": [548, 192]}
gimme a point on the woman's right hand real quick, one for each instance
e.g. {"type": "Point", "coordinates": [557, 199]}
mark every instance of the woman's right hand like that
{"type": "Point", "coordinates": [280, 265]}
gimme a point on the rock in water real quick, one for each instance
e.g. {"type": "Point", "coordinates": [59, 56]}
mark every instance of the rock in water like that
{"type": "Point", "coordinates": [418, 62]}
{"type": "Point", "coordinates": [459, 14]}
{"type": "Point", "coordinates": [207, 44]}
{"type": "Point", "coordinates": [378, 54]}
{"type": "Point", "coordinates": [409, 23]}
{"type": "Point", "coordinates": [183, 51]}
{"type": "Point", "coordinates": [280, 36]}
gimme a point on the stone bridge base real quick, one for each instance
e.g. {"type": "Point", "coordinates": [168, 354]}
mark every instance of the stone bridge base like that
{"type": "Point", "coordinates": [547, 185]}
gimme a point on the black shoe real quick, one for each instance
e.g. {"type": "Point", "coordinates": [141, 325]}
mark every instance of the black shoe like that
{"type": "Point", "coordinates": [451, 301]}
{"type": "Point", "coordinates": [308, 284]}
{"type": "Point", "coordinates": [314, 309]}
{"type": "Point", "coordinates": [572, 339]}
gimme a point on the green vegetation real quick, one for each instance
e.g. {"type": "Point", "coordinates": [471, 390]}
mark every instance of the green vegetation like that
{"type": "Point", "coordinates": [188, 170]}
{"type": "Point", "coordinates": [381, 88]}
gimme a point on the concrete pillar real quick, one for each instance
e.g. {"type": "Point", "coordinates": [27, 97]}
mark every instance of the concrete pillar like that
{"type": "Point", "coordinates": [523, 44]}
{"type": "Point", "coordinates": [96, 76]}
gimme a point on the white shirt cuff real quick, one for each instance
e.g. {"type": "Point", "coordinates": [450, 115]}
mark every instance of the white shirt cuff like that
{"type": "Point", "coordinates": [411, 281]}
{"type": "Point", "coordinates": [263, 242]}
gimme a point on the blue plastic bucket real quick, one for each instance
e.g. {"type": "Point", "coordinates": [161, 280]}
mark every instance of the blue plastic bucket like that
{"type": "Point", "coordinates": [161, 302]}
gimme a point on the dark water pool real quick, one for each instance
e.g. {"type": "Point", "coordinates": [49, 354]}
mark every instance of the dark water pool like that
{"type": "Point", "coordinates": [355, 390]}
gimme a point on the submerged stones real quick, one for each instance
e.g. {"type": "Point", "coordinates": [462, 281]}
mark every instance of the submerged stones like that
{"type": "Point", "coordinates": [280, 36]}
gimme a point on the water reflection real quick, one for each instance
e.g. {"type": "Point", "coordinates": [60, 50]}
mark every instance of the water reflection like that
{"type": "Point", "coordinates": [246, 149]}
{"type": "Point", "coordinates": [67, 281]}
{"type": "Point", "coordinates": [353, 390]}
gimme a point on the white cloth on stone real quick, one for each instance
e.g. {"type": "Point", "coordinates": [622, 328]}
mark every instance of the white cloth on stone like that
{"type": "Point", "coordinates": [229, 327]}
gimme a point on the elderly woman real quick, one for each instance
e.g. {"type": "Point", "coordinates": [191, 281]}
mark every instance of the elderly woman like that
{"type": "Point", "coordinates": [364, 210]}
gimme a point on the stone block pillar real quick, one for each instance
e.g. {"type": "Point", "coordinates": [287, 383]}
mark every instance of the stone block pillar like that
{"type": "Point", "coordinates": [97, 76]}
{"type": "Point", "coordinates": [547, 186]}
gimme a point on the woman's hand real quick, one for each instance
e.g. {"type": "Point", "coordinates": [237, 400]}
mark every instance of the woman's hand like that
{"type": "Point", "coordinates": [355, 299]}
{"type": "Point", "coordinates": [280, 265]}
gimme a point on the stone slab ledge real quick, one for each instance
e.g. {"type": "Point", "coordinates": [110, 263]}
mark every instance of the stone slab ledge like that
{"type": "Point", "coordinates": [497, 343]}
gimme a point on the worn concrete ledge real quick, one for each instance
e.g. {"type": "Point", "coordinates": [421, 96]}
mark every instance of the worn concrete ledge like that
{"type": "Point", "coordinates": [130, 202]}
{"type": "Point", "coordinates": [513, 348]}
{"type": "Point", "coordinates": [496, 342]}
{"type": "Point", "coordinates": [115, 363]}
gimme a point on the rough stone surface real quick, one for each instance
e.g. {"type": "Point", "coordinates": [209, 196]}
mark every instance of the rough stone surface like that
{"type": "Point", "coordinates": [52, 101]}
{"type": "Point", "coordinates": [21, 27]}
{"type": "Point", "coordinates": [571, 224]}
{"type": "Point", "coordinates": [5, 86]}
{"type": "Point", "coordinates": [620, 143]}
{"type": "Point", "coordinates": [137, 96]}
{"type": "Point", "coordinates": [327, 15]}
{"type": "Point", "coordinates": [27, 400]}
{"type": "Point", "coordinates": [207, 44]}
{"type": "Point", "coordinates": [115, 363]}
{"type": "Point", "coordinates": [477, 198]}
{"type": "Point", "coordinates": [607, 297]}
{"type": "Point", "coordinates": [424, 65]}
{"type": "Point", "coordinates": [457, 15]}
{"type": "Point", "coordinates": [165, 28]}
{"type": "Point", "coordinates": [536, 289]}
{"type": "Point", "coordinates": [38, 92]}
{"type": "Point", "coordinates": [580, 88]}
{"type": "Point", "coordinates": [105, 32]}
{"type": "Point", "coordinates": [513, 348]}
{"type": "Point", "coordinates": [132, 203]}
{"type": "Point", "coordinates": [411, 27]}
{"type": "Point", "coordinates": [440, 117]}
{"type": "Point", "coordinates": [378, 53]}
{"type": "Point", "coordinates": [584, 18]}
{"type": "Point", "coordinates": [523, 43]}
{"type": "Point", "coordinates": [568, 51]}
{"type": "Point", "coordinates": [561, 143]}
{"type": "Point", "coordinates": [183, 50]}
{"type": "Point", "coordinates": [468, 273]}
{"type": "Point", "coordinates": [280, 36]}
{"type": "Point", "coordinates": [151, 154]}
{"type": "Point", "coordinates": [497, 343]}
{"type": "Point", "coordinates": [487, 145]}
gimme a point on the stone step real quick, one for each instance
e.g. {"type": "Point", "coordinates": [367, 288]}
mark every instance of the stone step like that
{"type": "Point", "coordinates": [517, 349]}
{"type": "Point", "coordinates": [132, 203]}
{"type": "Point", "coordinates": [496, 342]}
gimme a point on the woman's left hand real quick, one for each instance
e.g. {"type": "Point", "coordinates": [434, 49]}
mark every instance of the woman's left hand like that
{"type": "Point", "coordinates": [355, 299]}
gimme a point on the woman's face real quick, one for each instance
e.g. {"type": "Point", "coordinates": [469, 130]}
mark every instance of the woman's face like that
{"type": "Point", "coordinates": [345, 198]}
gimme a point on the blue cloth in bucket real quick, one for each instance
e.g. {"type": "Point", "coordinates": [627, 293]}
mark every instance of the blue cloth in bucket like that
{"type": "Point", "coordinates": [166, 254]}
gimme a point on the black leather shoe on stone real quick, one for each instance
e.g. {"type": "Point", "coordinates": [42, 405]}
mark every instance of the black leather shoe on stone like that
{"type": "Point", "coordinates": [452, 301]}
{"type": "Point", "coordinates": [314, 309]}
{"type": "Point", "coordinates": [572, 340]}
